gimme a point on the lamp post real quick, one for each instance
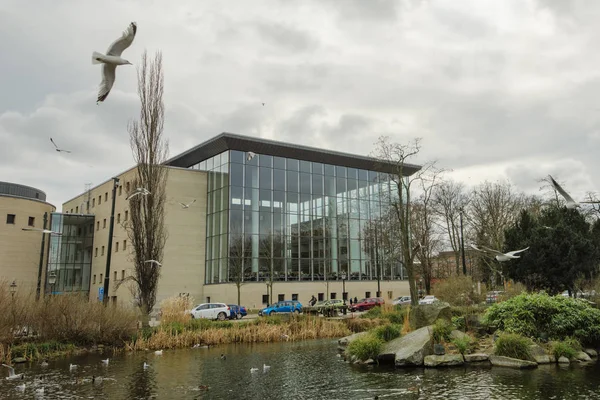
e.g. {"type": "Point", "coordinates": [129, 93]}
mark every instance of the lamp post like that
{"type": "Point", "coordinates": [52, 281]}
{"type": "Point", "coordinates": [39, 280]}
{"type": "Point", "coordinates": [344, 294]}
{"type": "Point", "coordinates": [462, 242]}
{"type": "Point", "coordinates": [13, 289]}
{"type": "Point", "coordinates": [110, 240]}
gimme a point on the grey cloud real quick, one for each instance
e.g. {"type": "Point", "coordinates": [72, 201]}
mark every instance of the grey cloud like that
{"type": "Point", "coordinates": [286, 37]}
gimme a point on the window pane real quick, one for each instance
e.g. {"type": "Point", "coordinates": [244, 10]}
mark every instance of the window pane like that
{"type": "Point", "coordinates": [265, 178]}
{"type": "Point", "coordinates": [236, 221]}
{"type": "Point", "coordinates": [304, 183]}
{"type": "Point", "coordinates": [292, 165]}
{"type": "Point", "coordinates": [317, 184]}
{"type": "Point", "coordinates": [352, 173]}
{"type": "Point", "coordinates": [305, 166]}
{"type": "Point", "coordinates": [330, 186]}
{"type": "Point", "coordinates": [341, 184]}
{"type": "Point", "coordinates": [236, 197]}
{"type": "Point", "coordinates": [251, 178]}
{"type": "Point", "coordinates": [237, 156]}
{"type": "Point", "coordinates": [340, 171]}
{"type": "Point", "coordinates": [266, 161]}
{"type": "Point", "coordinates": [329, 170]}
{"type": "Point", "coordinates": [279, 162]}
{"type": "Point", "coordinates": [278, 179]}
{"type": "Point", "coordinates": [292, 181]}
{"type": "Point", "coordinates": [317, 168]}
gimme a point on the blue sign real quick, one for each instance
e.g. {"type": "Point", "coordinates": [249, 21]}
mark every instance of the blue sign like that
{"type": "Point", "coordinates": [101, 294]}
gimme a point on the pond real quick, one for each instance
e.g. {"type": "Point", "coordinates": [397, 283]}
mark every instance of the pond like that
{"type": "Point", "coordinates": [306, 370]}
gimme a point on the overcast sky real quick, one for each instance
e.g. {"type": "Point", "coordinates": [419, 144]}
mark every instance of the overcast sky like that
{"type": "Point", "coordinates": [497, 89]}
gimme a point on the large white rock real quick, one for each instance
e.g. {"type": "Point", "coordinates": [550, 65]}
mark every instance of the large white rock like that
{"type": "Point", "coordinates": [409, 350]}
{"type": "Point", "coordinates": [447, 360]}
{"type": "Point", "coordinates": [501, 361]}
{"type": "Point", "coordinates": [538, 354]}
{"type": "Point", "coordinates": [346, 340]}
{"type": "Point", "coordinates": [477, 357]}
{"type": "Point", "coordinates": [583, 356]}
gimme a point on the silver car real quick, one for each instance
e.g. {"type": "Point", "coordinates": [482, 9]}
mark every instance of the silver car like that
{"type": "Point", "coordinates": [402, 300]}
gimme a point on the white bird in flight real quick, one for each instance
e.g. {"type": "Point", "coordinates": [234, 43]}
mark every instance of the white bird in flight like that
{"type": "Point", "coordinates": [184, 206]}
{"type": "Point", "coordinates": [153, 262]}
{"type": "Point", "coordinates": [112, 59]}
{"type": "Point", "coordinates": [59, 149]}
{"type": "Point", "coordinates": [266, 367]}
{"type": "Point", "coordinates": [105, 362]}
{"type": "Point", "coordinates": [11, 373]}
{"type": "Point", "coordinates": [500, 256]}
{"type": "Point", "coordinates": [570, 202]}
{"type": "Point", "coordinates": [253, 370]}
{"type": "Point", "coordinates": [42, 230]}
{"type": "Point", "coordinates": [250, 155]}
{"type": "Point", "coordinates": [142, 191]}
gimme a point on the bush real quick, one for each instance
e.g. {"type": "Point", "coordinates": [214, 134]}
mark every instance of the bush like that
{"type": "Point", "coordinates": [462, 343]}
{"type": "Point", "coordinates": [460, 323]}
{"type": "Point", "coordinates": [387, 332]}
{"type": "Point", "coordinates": [176, 309]}
{"type": "Point", "coordinates": [540, 315]}
{"type": "Point", "coordinates": [361, 325]}
{"type": "Point", "coordinates": [458, 291]}
{"type": "Point", "coordinates": [567, 348]}
{"type": "Point", "coordinates": [365, 347]}
{"type": "Point", "coordinates": [513, 345]}
{"type": "Point", "coordinates": [441, 331]}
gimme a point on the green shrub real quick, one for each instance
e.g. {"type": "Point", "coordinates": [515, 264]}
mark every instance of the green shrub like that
{"type": "Point", "coordinates": [387, 332]}
{"type": "Point", "coordinates": [373, 313]}
{"type": "Point", "coordinates": [460, 323]}
{"type": "Point", "coordinates": [441, 331]}
{"type": "Point", "coordinates": [365, 347]}
{"type": "Point", "coordinates": [567, 348]}
{"type": "Point", "coordinates": [513, 345]}
{"type": "Point", "coordinates": [462, 343]}
{"type": "Point", "coordinates": [540, 315]}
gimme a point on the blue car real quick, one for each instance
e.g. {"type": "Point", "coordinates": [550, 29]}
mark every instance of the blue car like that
{"type": "Point", "coordinates": [287, 306]}
{"type": "Point", "coordinates": [237, 312]}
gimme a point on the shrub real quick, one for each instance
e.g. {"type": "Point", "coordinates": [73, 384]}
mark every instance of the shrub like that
{"type": "Point", "coordinates": [361, 325]}
{"type": "Point", "coordinates": [387, 332]}
{"type": "Point", "coordinates": [176, 309]}
{"type": "Point", "coordinates": [365, 347]}
{"type": "Point", "coordinates": [441, 331]}
{"type": "Point", "coordinates": [462, 343]}
{"type": "Point", "coordinates": [513, 345]}
{"type": "Point", "coordinates": [460, 323]}
{"type": "Point", "coordinates": [567, 348]}
{"type": "Point", "coordinates": [540, 315]}
{"type": "Point", "coordinates": [458, 291]}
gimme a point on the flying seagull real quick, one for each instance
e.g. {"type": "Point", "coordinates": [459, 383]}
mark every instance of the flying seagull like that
{"type": "Point", "coordinates": [42, 230]}
{"type": "Point", "coordinates": [142, 191]}
{"type": "Point", "coordinates": [570, 202]}
{"type": "Point", "coordinates": [187, 205]}
{"type": "Point", "coordinates": [11, 373]}
{"type": "Point", "coordinates": [250, 155]}
{"type": "Point", "coordinates": [153, 262]}
{"type": "Point", "coordinates": [59, 149]}
{"type": "Point", "coordinates": [112, 59]}
{"type": "Point", "coordinates": [500, 256]}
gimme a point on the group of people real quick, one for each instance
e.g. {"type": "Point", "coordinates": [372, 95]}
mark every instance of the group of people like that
{"type": "Point", "coordinates": [313, 300]}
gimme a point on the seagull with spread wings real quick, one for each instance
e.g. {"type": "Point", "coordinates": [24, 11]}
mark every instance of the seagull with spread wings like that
{"type": "Point", "coordinates": [184, 206]}
{"type": "Point", "coordinates": [59, 149]}
{"type": "Point", "coordinates": [250, 155]}
{"type": "Point", "coordinates": [500, 256]}
{"type": "Point", "coordinates": [112, 59]}
{"type": "Point", "coordinates": [570, 202]}
{"type": "Point", "coordinates": [141, 191]}
{"type": "Point", "coordinates": [11, 373]}
{"type": "Point", "coordinates": [42, 230]}
{"type": "Point", "coordinates": [153, 262]}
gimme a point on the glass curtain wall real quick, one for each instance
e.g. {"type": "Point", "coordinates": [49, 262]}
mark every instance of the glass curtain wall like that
{"type": "Point", "coordinates": [297, 220]}
{"type": "Point", "coordinates": [70, 258]}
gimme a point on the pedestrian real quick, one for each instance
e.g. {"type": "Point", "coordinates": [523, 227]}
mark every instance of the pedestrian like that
{"type": "Point", "coordinates": [312, 301]}
{"type": "Point", "coordinates": [355, 300]}
{"type": "Point", "coordinates": [350, 300]}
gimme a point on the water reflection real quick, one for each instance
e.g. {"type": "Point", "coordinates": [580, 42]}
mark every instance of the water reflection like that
{"type": "Point", "coordinates": [308, 370]}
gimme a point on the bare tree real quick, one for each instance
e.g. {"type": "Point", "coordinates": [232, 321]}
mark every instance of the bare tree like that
{"type": "Point", "coordinates": [271, 250]}
{"type": "Point", "coordinates": [450, 200]}
{"type": "Point", "coordinates": [397, 155]}
{"type": "Point", "coordinates": [240, 256]}
{"type": "Point", "coordinates": [145, 227]}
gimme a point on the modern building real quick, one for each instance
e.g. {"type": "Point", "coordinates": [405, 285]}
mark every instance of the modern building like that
{"type": "Point", "coordinates": [23, 253]}
{"type": "Point", "coordinates": [280, 221]}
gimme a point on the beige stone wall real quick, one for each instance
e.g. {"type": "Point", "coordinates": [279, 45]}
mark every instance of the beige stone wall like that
{"type": "Point", "coordinates": [252, 293]}
{"type": "Point", "coordinates": [183, 262]}
{"type": "Point", "coordinates": [20, 250]}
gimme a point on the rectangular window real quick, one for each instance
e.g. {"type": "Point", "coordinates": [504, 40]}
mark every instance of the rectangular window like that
{"type": "Point", "coordinates": [124, 244]}
{"type": "Point", "coordinates": [280, 297]}
{"type": "Point", "coordinates": [122, 274]}
{"type": "Point", "coordinates": [31, 221]}
{"type": "Point", "coordinates": [104, 224]}
{"type": "Point", "coordinates": [345, 296]}
{"type": "Point", "coordinates": [100, 278]}
{"type": "Point", "coordinates": [97, 225]}
{"type": "Point", "coordinates": [99, 199]}
{"type": "Point", "coordinates": [10, 218]}
{"type": "Point", "coordinates": [367, 294]}
{"type": "Point", "coordinates": [106, 196]}
{"type": "Point", "coordinates": [333, 296]}
{"type": "Point", "coordinates": [127, 187]}
{"type": "Point", "coordinates": [265, 299]}
{"type": "Point", "coordinates": [126, 215]}
{"type": "Point", "coordinates": [116, 247]}
{"type": "Point", "coordinates": [102, 253]}
{"type": "Point", "coordinates": [94, 279]}
{"type": "Point", "coordinates": [71, 211]}
{"type": "Point", "coordinates": [118, 218]}
{"type": "Point", "coordinates": [96, 252]}
{"type": "Point", "coordinates": [295, 296]}
{"type": "Point", "coordinates": [120, 190]}
{"type": "Point", "coordinates": [321, 296]}
{"type": "Point", "coordinates": [115, 276]}
{"type": "Point", "coordinates": [94, 202]}
{"type": "Point", "coordinates": [77, 210]}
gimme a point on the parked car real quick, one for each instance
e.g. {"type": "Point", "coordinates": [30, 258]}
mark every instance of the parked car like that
{"type": "Point", "coordinates": [237, 312]}
{"type": "Point", "coordinates": [335, 303]}
{"type": "Point", "coordinates": [402, 300]}
{"type": "Point", "coordinates": [367, 304]}
{"type": "Point", "coordinates": [287, 306]}
{"type": "Point", "coordinates": [242, 312]}
{"type": "Point", "coordinates": [428, 300]}
{"type": "Point", "coordinates": [220, 311]}
{"type": "Point", "coordinates": [492, 297]}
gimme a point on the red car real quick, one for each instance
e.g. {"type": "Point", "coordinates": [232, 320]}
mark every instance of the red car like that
{"type": "Point", "coordinates": [367, 304]}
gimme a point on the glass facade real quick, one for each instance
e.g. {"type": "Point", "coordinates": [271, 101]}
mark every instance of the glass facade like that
{"type": "Point", "coordinates": [294, 220]}
{"type": "Point", "coordinates": [70, 258]}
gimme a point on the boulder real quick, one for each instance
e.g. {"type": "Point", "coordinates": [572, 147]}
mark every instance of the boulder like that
{"type": "Point", "coordinates": [408, 350]}
{"type": "Point", "coordinates": [346, 340]}
{"type": "Point", "coordinates": [538, 354]}
{"type": "Point", "coordinates": [447, 360]}
{"type": "Point", "coordinates": [552, 358]}
{"type": "Point", "coordinates": [583, 356]}
{"type": "Point", "coordinates": [439, 349]}
{"type": "Point", "coordinates": [563, 360]}
{"type": "Point", "coordinates": [501, 361]}
{"type": "Point", "coordinates": [426, 314]}
{"type": "Point", "coordinates": [19, 360]}
{"type": "Point", "coordinates": [477, 357]}
{"type": "Point", "coordinates": [591, 352]}
{"type": "Point", "coordinates": [456, 334]}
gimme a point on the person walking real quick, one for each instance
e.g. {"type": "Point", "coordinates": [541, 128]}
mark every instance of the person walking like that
{"type": "Point", "coordinates": [350, 300]}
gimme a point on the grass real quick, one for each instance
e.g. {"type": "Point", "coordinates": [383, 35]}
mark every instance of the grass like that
{"type": "Point", "coordinates": [513, 345]}
{"type": "Point", "coordinates": [566, 348]}
{"type": "Point", "coordinates": [441, 331]}
{"type": "Point", "coordinates": [387, 332]}
{"type": "Point", "coordinates": [365, 347]}
{"type": "Point", "coordinates": [462, 343]}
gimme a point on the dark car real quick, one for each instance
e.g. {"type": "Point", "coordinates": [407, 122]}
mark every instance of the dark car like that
{"type": "Point", "coordinates": [367, 304]}
{"type": "Point", "coordinates": [237, 312]}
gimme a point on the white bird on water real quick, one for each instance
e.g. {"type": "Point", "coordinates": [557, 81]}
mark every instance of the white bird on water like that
{"type": "Point", "coordinates": [500, 256]}
{"type": "Point", "coordinates": [570, 202]}
{"type": "Point", "coordinates": [105, 362]}
{"type": "Point", "coordinates": [253, 370]}
{"type": "Point", "coordinates": [72, 367]}
{"type": "Point", "coordinates": [266, 367]}
{"type": "Point", "coordinates": [42, 230]}
{"type": "Point", "coordinates": [21, 388]}
{"type": "Point", "coordinates": [184, 206]}
{"type": "Point", "coordinates": [146, 365]}
{"type": "Point", "coordinates": [58, 148]}
{"type": "Point", "coordinates": [141, 191]}
{"type": "Point", "coordinates": [158, 352]}
{"type": "Point", "coordinates": [11, 373]}
{"type": "Point", "coordinates": [112, 59]}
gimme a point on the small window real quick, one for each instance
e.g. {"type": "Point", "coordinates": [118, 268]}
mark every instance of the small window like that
{"type": "Point", "coordinates": [321, 296]}
{"type": "Point", "coordinates": [31, 221]}
{"type": "Point", "coordinates": [94, 279]}
{"type": "Point", "coordinates": [97, 225]}
{"type": "Point", "coordinates": [104, 224]}
{"type": "Point", "coordinates": [115, 276]}
{"type": "Point", "coordinates": [96, 252]}
{"type": "Point", "coordinates": [116, 247]}
{"type": "Point", "coordinates": [367, 294]}
{"type": "Point", "coordinates": [280, 297]}
{"type": "Point", "coordinates": [120, 190]}
{"type": "Point", "coordinates": [10, 218]}
{"type": "Point", "coordinates": [390, 294]}
{"type": "Point", "coordinates": [77, 210]}
{"type": "Point", "coordinates": [106, 196]}
{"type": "Point", "coordinates": [265, 299]}
{"type": "Point", "coordinates": [124, 244]}
{"type": "Point", "coordinates": [122, 274]}
{"type": "Point", "coordinates": [71, 211]}
{"type": "Point", "coordinates": [295, 296]}
{"type": "Point", "coordinates": [118, 218]}
{"type": "Point", "coordinates": [333, 296]}
{"type": "Point", "coordinates": [93, 202]}
{"type": "Point", "coordinates": [127, 187]}
{"type": "Point", "coordinates": [99, 199]}
{"type": "Point", "coordinates": [102, 251]}
{"type": "Point", "coordinates": [100, 278]}
{"type": "Point", "coordinates": [126, 215]}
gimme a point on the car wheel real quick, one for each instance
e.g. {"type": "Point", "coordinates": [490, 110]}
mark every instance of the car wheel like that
{"type": "Point", "coordinates": [221, 316]}
{"type": "Point", "coordinates": [296, 312]}
{"type": "Point", "coordinates": [239, 316]}
{"type": "Point", "coordinates": [192, 316]}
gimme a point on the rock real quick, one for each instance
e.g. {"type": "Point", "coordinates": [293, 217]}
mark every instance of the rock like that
{"type": "Point", "coordinates": [501, 361]}
{"type": "Point", "coordinates": [447, 360]}
{"type": "Point", "coordinates": [477, 357]}
{"type": "Point", "coordinates": [563, 360]}
{"type": "Point", "coordinates": [583, 356]}
{"type": "Point", "coordinates": [345, 340]}
{"type": "Point", "coordinates": [591, 352]}
{"type": "Point", "coordinates": [426, 314]}
{"type": "Point", "coordinates": [552, 358]}
{"type": "Point", "coordinates": [538, 354]}
{"type": "Point", "coordinates": [408, 350]}
{"type": "Point", "coordinates": [456, 334]}
{"type": "Point", "coordinates": [439, 349]}
{"type": "Point", "coordinates": [19, 360]}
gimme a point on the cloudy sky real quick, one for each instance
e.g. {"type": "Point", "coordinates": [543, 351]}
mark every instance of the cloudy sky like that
{"type": "Point", "coordinates": [496, 89]}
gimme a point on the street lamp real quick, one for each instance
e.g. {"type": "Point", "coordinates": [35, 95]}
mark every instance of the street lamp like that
{"type": "Point", "coordinates": [462, 242]}
{"type": "Point", "coordinates": [344, 294]}
{"type": "Point", "coordinates": [110, 240]}
{"type": "Point", "coordinates": [13, 289]}
{"type": "Point", "coordinates": [52, 281]}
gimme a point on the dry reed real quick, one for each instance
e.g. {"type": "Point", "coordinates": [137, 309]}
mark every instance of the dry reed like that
{"type": "Point", "coordinates": [176, 309]}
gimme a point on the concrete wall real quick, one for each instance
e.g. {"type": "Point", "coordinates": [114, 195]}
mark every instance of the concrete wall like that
{"type": "Point", "coordinates": [20, 250]}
